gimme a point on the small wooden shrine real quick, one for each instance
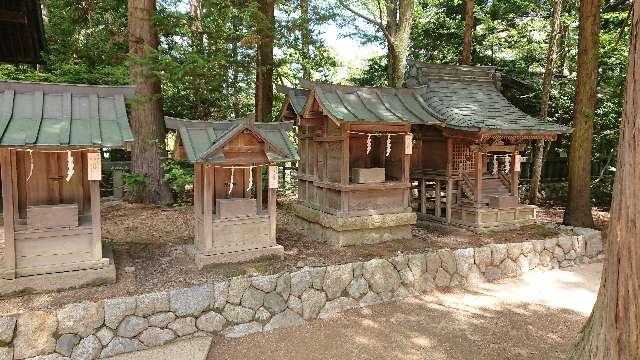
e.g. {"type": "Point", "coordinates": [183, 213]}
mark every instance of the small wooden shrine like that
{"type": "Point", "coordinates": [447, 148]}
{"type": "Point", "coordinates": [467, 167]}
{"type": "Point", "coordinates": [234, 221]}
{"type": "Point", "coordinates": [355, 151]}
{"type": "Point", "coordinates": [50, 141]}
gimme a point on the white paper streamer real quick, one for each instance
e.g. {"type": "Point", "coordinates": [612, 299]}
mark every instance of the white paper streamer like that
{"type": "Point", "coordinates": [495, 165]}
{"type": "Point", "coordinates": [31, 166]}
{"type": "Point", "coordinates": [70, 165]}
{"type": "Point", "coordinates": [507, 164]}
{"type": "Point", "coordinates": [250, 178]}
{"type": "Point", "coordinates": [388, 145]}
{"type": "Point", "coordinates": [368, 144]}
{"type": "Point", "coordinates": [231, 181]}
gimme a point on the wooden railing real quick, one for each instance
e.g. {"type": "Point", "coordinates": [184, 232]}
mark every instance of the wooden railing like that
{"type": "Point", "coordinates": [467, 186]}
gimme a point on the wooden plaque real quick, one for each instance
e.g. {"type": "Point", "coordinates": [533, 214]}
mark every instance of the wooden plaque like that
{"type": "Point", "coordinates": [408, 144]}
{"type": "Point", "coordinates": [516, 165]}
{"type": "Point", "coordinates": [94, 165]}
{"type": "Point", "coordinates": [273, 177]}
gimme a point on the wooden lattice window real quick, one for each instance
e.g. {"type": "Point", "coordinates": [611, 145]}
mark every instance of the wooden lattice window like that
{"type": "Point", "coordinates": [463, 159]}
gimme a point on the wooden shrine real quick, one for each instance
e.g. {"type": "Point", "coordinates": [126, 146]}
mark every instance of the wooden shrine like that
{"type": "Point", "coordinates": [51, 136]}
{"type": "Point", "coordinates": [447, 148]}
{"type": "Point", "coordinates": [353, 173]}
{"type": "Point", "coordinates": [466, 169]}
{"type": "Point", "coordinates": [235, 222]}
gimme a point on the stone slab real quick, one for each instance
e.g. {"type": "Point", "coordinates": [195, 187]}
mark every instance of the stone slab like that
{"type": "Point", "coordinates": [230, 208]}
{"type": "Point", "coordinates": [50, 216]}
{"type": "Point", "coordinates": [368, 176]}
{"type": "Point", "coordinates": [192, 349]}
{"type": "Point", "coordinates": [63, 280]}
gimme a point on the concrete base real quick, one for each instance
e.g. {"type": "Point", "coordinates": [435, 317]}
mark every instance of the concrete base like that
{"type": "Point", "coordinates": [473, 225]}
{"type": "Point", "coordinates": [62, 280]}
{"type": "Point", "coordinates": [202, 259]}
{"type": "Point", "coordinates": [357, 230]}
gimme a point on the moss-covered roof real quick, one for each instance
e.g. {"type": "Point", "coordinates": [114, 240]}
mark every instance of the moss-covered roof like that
{"type": "Point", "coordinates": [203, 140]}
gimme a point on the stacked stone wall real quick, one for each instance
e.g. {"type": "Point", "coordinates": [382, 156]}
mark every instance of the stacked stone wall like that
{"type": "Point", "coordinates": [244, 305]}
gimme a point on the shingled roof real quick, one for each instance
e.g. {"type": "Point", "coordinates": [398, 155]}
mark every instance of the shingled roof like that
{"type": "Point", "coordinates": [459, 97]}
{"type": "Point", "coordinates": [202, 140]}
{"type": "Point", "coordinates": [62, 115]}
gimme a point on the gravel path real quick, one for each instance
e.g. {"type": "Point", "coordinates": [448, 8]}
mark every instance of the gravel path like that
{"type": "Point", "coordinates": [534, 317]}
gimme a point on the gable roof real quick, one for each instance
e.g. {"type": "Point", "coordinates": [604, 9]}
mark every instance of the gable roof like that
{"type": "Point", "coordinates": [203, 140]}
{"type": "Point", "coordinates": [467, 98]}
{"type": "Point", "coordinates": [459, 97]}
{"type": "Point", "coordinates": [62, 115]}
{"type": "Point", "coordinates": [21, 31]}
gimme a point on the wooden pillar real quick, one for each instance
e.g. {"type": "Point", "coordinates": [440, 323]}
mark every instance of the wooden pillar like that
{"type": "Point", "coordinates": [207, 218]}
{"type": "Point", "coordinates": [345, 170]}
{"type": "Point", "coordinates": [478, 178]}
{"type": "Point", "coordinates": [94, 186]}
{"type": "Point", "coordinates": [406, 169]}
{"type": "Point", "coordinates": [449, 199]}
{"type": "Point", "coordinates": [259, 189]}
{"type": "Point", "coordinates": [197, 202]}
{"type": "Point", "coordinates": [515, 174]}
{"type": "Point", "coordinates": [423, 196]}
{"type": "Point", "coordinates": [9, 271]}
{"type": "Point", "coordinates": [271, 202]}
{"type": "Point", "coordinates": [438, 200]}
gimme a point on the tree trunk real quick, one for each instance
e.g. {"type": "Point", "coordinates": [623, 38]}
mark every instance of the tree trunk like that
{"type": "Point", "coordinates": [401, 48]}
{"type": "Point", "coordinates": [147, 120]}
{"type": "Point", "coordinates": [562, 50]}
{"type": "Point", "coordinates": [613, 329]}
{"type": "Point", "coordinates": [578, 211]}
{"type": "Point", "coordinates": [468, 33]}
{"type": "Point", "coordinates": [538, 153]}
{"type": "Point", "coordinates": [392, 31]}
{"type": "Point", "coordinates": [305, 36]}
{"type": "Point", "coordinates": [264, 61]}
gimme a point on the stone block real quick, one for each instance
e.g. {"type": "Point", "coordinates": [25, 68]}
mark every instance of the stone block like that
{"type": "Point", "coordinates": [502, 201]}
{"type": "Point", "coordinates": [7, 329]}
{"type": "Point", "coordinates": [49, 216]}
{"type": "Point", "coordinates": [336, 280]}
{"type": "Point", "coordinates": [35, 334]}
{"type": "Point", "coordinates": [368, 176]}
{"type": "Point", "coordinates": [82, 318]}
{"type": "Point", "coordinates": [286, 318]}
{"type": "Point", "coordinates": [381, 276]}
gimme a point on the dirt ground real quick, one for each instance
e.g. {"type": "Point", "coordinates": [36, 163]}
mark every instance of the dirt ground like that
{"type": "Point", "coordinates": [534, 317]}
{"type": "Point", "coordinates": [150, 251]}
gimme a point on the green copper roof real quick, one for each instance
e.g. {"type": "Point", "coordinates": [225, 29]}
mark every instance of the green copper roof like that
{"type": "Point", "coordinates": [203, 139]}
{"type": "Point", "coordinates": [60, 115]}
{"type": "Point", "coordinates": [459, 97]}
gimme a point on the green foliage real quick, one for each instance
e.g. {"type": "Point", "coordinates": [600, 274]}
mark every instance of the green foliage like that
{"type": "Point", "coordinates": [134, 180]}
{"type": "Point", "coordinates": [179, 175]}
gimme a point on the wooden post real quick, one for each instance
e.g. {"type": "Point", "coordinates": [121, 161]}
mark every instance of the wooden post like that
{"type": "Point", "coordinates": [8, 214]}
{"type": "Point", "coordinates": [345, 169]}
{"type": "Point", "coordinates": [95, 217]}
{"type": "Point", "coordinates": [197, 202]}
{"type": "Point", "coordinates": [438, 199]}
{"type": "Point", "coordinates": [207, 219]}
{"type": "Point", "coordinates": [515, 174]}
{"type": "Point", "coordinates": [479, 178]}
{"type": "Point", "coordinates": [271, 205]}
{"type": "Point", "coordinates": [423, 196]}
{"type": "Point", "coordinates": [259, 189]}
{"type": "Point", "coordinates": [449, 199]}
{"type": "Point", "coordinates": [406, 171]}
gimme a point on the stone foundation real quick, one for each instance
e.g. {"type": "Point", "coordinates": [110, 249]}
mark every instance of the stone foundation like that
{"type": "Point", "coordinates": [62, 280]}
{"type": "Point", "coordinates": [356, 230]}
{"type": "Point", "coordinates": [243, 305]}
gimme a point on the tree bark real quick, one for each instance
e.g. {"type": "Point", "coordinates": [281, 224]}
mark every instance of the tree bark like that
{"type": "Point", "coordinates": [397, 32]}
{"type": "Point", "coordinates": [305, 36]}
{"type": "Point", "coordinates": [538, 152]}
{"type": "Point", "coordinates": [264, 61]}
{"type": "Point", "coordinates": [147, 119]}
{"type": "Point", "coordinates": [468, 33]}
{"type": "Point", "coordinates": [578, 210]}
{"type": "Point", "coordinates": [613, 329]}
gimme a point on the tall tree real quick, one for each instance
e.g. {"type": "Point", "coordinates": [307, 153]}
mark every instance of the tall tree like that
{"type": "Point", "coordinates": [146, 112]}
{"type": "Point", "coordinates": [613, 329]}
{"type": "Point", "coordinates": [264, 60]}
{"type": "Point", "coordinates": [578, 211]}
{"type": "Point", "coordinates": [538, 153]}
{"type": "Point", "coordinates": [394, 18]}
{"type": "Point", "coordinates": [305, 36]}
{"type": "Point", "coordinates": [468, 33]}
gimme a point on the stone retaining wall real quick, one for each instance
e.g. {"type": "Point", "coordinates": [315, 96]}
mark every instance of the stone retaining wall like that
{"type": "Point", "coordinates": [245, 305]}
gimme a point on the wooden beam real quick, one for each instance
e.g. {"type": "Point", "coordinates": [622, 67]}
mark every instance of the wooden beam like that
{"type": "Point", "coordinates": [8, 213]}
{"type": "Point", "coordinates": [449, 200]}
{"type": "Point", "coordinates": [423, 196]}
{"type": "Point", "coordinates": [94, 186]}
{"type": "Point", "coordinates": [515, 175]}
{"type": "Point", "coordinates": [345, 168]}
{"type": "Point", "coordinates": [271, 205]}
{"type": "Point", "coordinates": [207, 218]}
{"type": "Point", "coordinates": [259, 189]}
{"type": "Point", "coordinates": [478, 179]}
{"type": "Point", "coordinates": [438, 199]}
